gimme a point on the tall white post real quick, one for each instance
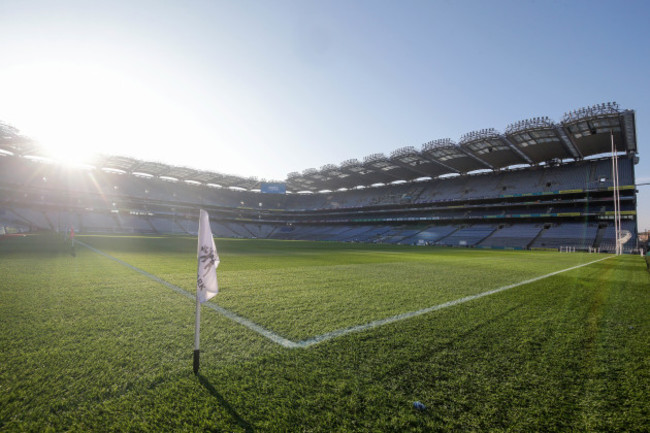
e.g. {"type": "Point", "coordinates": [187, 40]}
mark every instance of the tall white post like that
{"type": "Point", "coordinates": [618, 207]}
{"type": "Point", "coordinates": [617, 233]}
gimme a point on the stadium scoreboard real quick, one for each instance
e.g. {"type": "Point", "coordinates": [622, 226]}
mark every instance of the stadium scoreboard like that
{"type": "Point", "coordinates": [274, 188]}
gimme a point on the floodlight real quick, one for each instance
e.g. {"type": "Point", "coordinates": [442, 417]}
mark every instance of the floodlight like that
{"type": "Point", "coordinates": [435, 144]}
{"type": "Point", "coordinates": [407, 150]}
{"type": "Point", "coordinates": [350, 163]}
{"type": "Point", "coordinates": [374, 157]}
{"type": "Point", "coordinates": [482, 134]}
{"type": "Point", "coordinates": [591, 111]}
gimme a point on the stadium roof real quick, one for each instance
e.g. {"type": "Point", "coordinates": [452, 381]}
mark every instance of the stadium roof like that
{"type": "Point", "coordinates": [581, 133]}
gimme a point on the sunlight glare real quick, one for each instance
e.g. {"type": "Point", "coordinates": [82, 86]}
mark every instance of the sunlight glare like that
{"type": "Point", "coordinates": [77, 111]}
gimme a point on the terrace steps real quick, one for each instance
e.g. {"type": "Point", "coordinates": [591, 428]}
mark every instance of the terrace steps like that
{"type": "Point", "coordinates": [180, 226]}
{"type": "Point", "coordinates": [540, 234]}
{"type": "Point", "coordinates": [599, 236]}
{"type": "Point", "coordinates": [447, 235]}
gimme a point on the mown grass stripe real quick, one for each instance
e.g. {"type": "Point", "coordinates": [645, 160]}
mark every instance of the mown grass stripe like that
{"type": "Point", "coordinates": [403, 316]}
{"type": "Point", "coordinates": [229, 314]}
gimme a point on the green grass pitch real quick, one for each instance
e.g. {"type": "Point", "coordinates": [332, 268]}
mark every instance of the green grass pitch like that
{"type": "Point", "coordinates": [88, 344]}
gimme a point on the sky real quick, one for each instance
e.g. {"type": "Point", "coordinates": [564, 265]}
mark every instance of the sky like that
{"type": "Point", "coordinates": [265, 88]}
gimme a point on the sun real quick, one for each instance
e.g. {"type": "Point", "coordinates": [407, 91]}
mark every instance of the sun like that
{"type": "Point", "coordinates": [71, 152]}
{"type": "Point", "coordinates": [76, 111]}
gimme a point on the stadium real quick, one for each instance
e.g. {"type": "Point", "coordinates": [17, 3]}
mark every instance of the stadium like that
{"type": "Point", "coordinates": [538, 185]}
{"type": "Point", "coordinates": [492, 283]}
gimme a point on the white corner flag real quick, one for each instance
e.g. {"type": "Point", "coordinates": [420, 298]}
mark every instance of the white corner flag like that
{"type": "Point", "coordinates": [206, 276]}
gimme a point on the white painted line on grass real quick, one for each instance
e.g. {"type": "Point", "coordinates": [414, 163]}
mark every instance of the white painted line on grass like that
{"type": "Point", "coordinates": [376, 323]}
{"type": "Point", "coordinates": [229, 314]}
{"type": "Point", "coordinates": [339, 332]}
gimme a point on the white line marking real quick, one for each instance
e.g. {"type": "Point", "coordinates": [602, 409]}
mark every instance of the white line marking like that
{"type": "Point", "coordinates": [376, 323]}
{"type": "Point", "coordinates": [229, 314]}
{"type": "Point", "coordinates": [339, 332]}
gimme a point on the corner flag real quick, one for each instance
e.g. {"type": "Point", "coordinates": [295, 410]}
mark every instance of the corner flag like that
{"type": "Point", "coordinates": [206, 276]}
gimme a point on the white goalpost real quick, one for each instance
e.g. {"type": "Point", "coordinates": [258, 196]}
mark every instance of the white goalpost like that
{"type": "Point", "coordinates": [618, 236]}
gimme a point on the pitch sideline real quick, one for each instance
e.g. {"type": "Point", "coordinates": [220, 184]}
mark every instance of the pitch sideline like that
{"type": "Point", "coordinates": [276, 338]}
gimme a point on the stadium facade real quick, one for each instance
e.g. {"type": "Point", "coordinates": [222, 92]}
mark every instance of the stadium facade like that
{"type": "Point", "coordinates": [540, 184]}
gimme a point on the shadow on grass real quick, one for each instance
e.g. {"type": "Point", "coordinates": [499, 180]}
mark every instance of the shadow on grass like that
{"type": "Point", "coordinates": [222, 401]}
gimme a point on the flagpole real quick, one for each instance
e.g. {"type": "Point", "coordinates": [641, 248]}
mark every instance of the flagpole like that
{"type": "Point", "coordinates": [206, 276]}
{"type": "Point", "coordinates": [197, 330]}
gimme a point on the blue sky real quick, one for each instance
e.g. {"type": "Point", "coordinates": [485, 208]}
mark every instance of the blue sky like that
{"type": "Point", "coordinates": [264, 88]}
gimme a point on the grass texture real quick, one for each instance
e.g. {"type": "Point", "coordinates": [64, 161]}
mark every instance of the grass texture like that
{"type": "Point", "coordinates": [90, 345]}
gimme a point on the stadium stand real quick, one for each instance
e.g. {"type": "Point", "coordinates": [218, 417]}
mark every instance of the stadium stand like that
{"type": "Point", "coordinates": [468, 236]}
{"type": "Point", "coordinates": [519, 236]}
{"type": "Point", "coordinates": [432, 234]}
{"type": "Point", "coordinates": [579, 235]}
{"type": "Point", "coordinates": [606, 241]}
{"type": "Point", "coordinates": [538, 185]}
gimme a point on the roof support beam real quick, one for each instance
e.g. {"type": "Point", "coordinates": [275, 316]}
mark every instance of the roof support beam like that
{"type": "Point", "coordinates": [517, 150]}
{"type": "Point", "coordinates": [476, 158]}
{"type": "Point", "coordinates": [411, 168]}
{"type": "Point", "coordinates": [432, 159]}
{"type": "Point", "coordinates": [568, 142]}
